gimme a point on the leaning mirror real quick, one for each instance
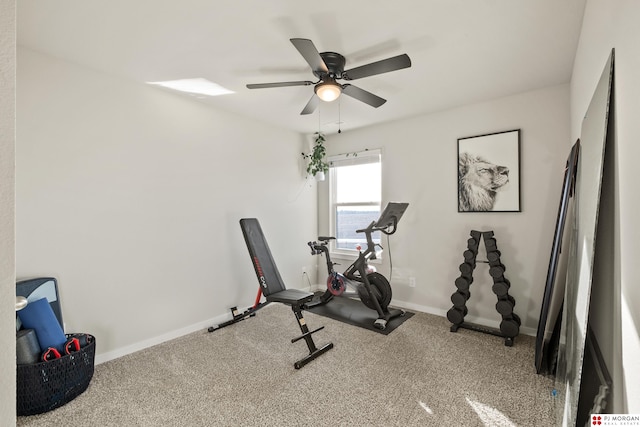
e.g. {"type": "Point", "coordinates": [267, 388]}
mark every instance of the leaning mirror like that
{"type": "Point", "coordinates": [582, 247]}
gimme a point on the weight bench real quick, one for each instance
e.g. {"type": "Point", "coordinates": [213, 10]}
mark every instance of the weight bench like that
{"type": "Point", "coordinates": [273, 288]}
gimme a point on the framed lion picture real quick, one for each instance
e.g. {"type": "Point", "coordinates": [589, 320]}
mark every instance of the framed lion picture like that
{"type": "Point", "coordinates": [489, 172]}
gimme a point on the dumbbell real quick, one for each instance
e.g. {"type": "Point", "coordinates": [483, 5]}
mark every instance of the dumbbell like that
{"type": "Point", "coordinates": [510, 327]}
{"type": "Point", "coordinates": [505, 305]}
{"type": "Point", "coordinates": [472, 244]}
{"type": "Point", "coordinates": [456, 315]}
{"type": "Point", "coordinates": [501, 287]}
{"type": "Point", "coordinates": [466, 269]}
{"type": "Point", "coordinates": [493, 257]}
{"type": "Point", "coordinates": [516, 318]}
{"type": "Point", "coordinates": [497, 271]}
{"type": "Point", "coordinates": [490, 244]}
{"type": "Point", "coordinates": [459, 298]}
{"type": "Point", "coordinates": [469, 256]}
{"type": "Point", "coordinates": [463, 282]}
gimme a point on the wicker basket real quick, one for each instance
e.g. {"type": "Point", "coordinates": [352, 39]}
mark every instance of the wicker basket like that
{"type": "Point", "coordinates": [44, 386]}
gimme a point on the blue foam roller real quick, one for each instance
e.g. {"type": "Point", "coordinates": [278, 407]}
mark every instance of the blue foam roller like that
{"type": "Point", "coordinates": [39, 316]}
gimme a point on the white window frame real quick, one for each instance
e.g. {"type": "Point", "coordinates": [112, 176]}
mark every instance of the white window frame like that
{"type": "Point", "coordinates": [358, 158]}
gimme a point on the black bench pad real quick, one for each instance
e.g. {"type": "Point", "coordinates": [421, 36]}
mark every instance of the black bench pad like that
{"type": "Point", "coordinates": [290, 296]}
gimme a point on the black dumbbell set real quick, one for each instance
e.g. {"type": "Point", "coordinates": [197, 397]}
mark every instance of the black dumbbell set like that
{"type": "Point", "coordinates": [459, 298]}
{"type": "Point", "coordinates": [510, 324]}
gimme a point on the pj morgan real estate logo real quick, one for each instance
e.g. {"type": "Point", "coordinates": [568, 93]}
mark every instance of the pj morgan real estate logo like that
{"type": "Point", "coordinates": [615, 420]}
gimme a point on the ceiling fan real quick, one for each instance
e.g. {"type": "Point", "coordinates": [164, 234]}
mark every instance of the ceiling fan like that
{"type": "Point", "coordinates": [328, 67]}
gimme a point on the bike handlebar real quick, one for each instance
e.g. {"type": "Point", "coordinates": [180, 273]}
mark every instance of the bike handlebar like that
{"type": "Point", "coordinates": [318, 248]}
{"type": "Point", "coordinates": [372, 227]}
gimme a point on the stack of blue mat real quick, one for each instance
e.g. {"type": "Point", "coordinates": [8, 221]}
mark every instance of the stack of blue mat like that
{"type": "Point", "coordinates": [39, 317]}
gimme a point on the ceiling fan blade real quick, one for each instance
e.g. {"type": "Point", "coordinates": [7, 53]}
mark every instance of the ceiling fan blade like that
{"type": "Point", "coordinates": [363, 95]}
{"type": "Point", "coordinates": [308, 50]}
{"type": "Point", "coordinates": [311, 105]}
{"type": "Point", "coordinates": [386, 65]}
{"type": "Point", "coordinates": [281, 84]}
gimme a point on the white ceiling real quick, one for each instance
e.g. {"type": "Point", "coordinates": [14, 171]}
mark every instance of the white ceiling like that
{"type": "Point", "coordinates": [462, 51]}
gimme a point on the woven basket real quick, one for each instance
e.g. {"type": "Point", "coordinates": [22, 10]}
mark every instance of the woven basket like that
{"type": "Point", "coordinates": [44, 386]}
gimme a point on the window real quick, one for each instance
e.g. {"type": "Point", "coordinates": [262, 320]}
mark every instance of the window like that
{"type": "Point", "coordinates": [355, 198]}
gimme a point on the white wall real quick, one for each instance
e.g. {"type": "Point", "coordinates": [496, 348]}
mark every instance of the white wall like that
{"type": "Point", "coordinates": [419, 166]}
{"type": "Point", "coordinates": [613, 24]}
{"type": "Point", "coordinates": [131, 197]}
{"type": "Point", "coordinates": [7, 217]}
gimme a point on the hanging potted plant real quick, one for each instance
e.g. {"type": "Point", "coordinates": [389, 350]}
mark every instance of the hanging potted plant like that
{"type": "Point", "coordinates": [317, 165]}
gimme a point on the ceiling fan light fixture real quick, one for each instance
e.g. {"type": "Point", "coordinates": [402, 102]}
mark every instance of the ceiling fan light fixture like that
{"type": "Point", "coordinates": [328, 91]}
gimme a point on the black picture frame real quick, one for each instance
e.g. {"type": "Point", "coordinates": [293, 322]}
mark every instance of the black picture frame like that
{"type": "Point", "coordinates": [489, 172]}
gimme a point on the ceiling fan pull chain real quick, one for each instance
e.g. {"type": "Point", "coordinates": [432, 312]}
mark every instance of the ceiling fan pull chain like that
{"type": "Point", "coordinates": [339, 119]}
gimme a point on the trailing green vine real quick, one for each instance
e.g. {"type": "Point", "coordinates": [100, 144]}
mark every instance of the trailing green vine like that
{"type": "Point", "coordinates": [316, 158]}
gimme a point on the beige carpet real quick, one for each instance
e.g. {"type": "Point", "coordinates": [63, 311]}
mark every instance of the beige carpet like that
{"type": "Point", "coordinates": [419, 375]}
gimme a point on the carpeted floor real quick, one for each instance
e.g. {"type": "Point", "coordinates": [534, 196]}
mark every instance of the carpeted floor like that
{"type": "Point", "coordinates": [419, 375]}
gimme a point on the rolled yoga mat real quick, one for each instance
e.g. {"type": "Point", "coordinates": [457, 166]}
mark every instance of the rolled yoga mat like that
{"type": "Point", "coordinates": [38, 315]}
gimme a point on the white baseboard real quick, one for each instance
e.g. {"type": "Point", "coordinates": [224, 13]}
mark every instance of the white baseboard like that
{"type": "Point", "coordinates": [490, 323]}
{"type": "Point", "coordinates": [123, 351]}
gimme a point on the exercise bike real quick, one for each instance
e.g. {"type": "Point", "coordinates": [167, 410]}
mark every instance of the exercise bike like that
{"type": "Point", "coordinates": [371, 287]}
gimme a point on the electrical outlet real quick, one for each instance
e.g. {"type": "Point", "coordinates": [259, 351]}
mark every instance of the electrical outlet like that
{"type": "Point", "coordinates": [412, 282]}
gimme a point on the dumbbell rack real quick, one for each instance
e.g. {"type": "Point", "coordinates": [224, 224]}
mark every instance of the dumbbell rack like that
{"type": "Point", "coordinates": [510, 324]}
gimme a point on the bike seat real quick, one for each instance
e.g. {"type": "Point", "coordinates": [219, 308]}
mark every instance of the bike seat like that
{"type": "Point", "coordinates": [325, 238]}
